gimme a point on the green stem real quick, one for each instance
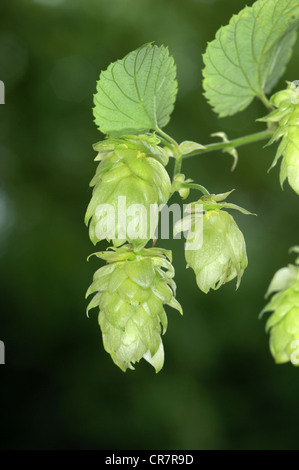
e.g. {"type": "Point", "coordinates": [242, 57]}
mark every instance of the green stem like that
{"type": "Point", "coordinates": [266, 102]}
{"type": "Point", "coordinates": [177, 166]}
{"type": "Point", "coordinates": [172, 144]}
{"type": "Point", "coordinates": [248, 139]}
{"type": "Point", "coordinates": [166, 143]}
{"type": "Point", "coordinates": [199, 187]}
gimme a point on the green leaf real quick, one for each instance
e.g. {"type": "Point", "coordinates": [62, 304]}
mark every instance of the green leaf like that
{"type": "Point", "coordinates": [250, 54]}
{"type": "Point", "coordinates": [188, 146]}
{"type": "Point", "coordinates": [137, 93]}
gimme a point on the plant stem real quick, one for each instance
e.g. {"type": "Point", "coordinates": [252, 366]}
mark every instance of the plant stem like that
{"type": "Point", "coordinates": [172, 144]}
{"type": "Point", "coordinates": [248, 139]}
{"type": "Point", "coordinates": [177, 166]}
{"type": "Point", "coordinates": [200, 188]}
{"type": "Point", "coordinates": [266, 102]}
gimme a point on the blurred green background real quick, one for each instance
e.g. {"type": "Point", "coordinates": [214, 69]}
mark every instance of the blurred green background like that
{"type": "Point", "coordinates": [59, 389]}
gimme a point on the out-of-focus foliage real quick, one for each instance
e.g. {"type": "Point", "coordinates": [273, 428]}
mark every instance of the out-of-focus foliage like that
{"type": "Point", "coordinates": [219, 387]}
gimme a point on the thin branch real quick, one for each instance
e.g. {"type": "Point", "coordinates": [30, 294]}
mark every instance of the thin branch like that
{"type": "Point", "coordinates": [249, 139]}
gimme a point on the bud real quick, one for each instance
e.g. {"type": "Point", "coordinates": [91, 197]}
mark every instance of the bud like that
{"type": "Point", "coordinates": [132, 170]}
{"type": "Point", "coordinates": [180, 184]}
{"type": "Point", "coordinates": [287, 117]}
{"type": "Point", "coordinates": [283, 324]}
{"type": "Point", "coordinates": [222, 254]}
{"type": "Point", "coordinates": [130, 293]}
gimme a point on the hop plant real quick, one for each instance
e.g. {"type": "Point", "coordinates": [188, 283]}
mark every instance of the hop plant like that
{"type": "Point", "coordinates": [131, 171]}
{"type": "Point", "coordinates": [215, 247]}
{"type": "Point", "coordinates": [283, 323]}
{"type": "Point", "coordinates": [130, 293]}
{"type": "Point", "coordinates": [286, 115]}
{"type": "Point", "coordinates": [133, 103]}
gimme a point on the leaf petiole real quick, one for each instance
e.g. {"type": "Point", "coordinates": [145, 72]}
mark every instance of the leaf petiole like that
{"type": "Point", "coordinates": [266, 102]}
{"type": "Point", "coordinates": [170, 143]}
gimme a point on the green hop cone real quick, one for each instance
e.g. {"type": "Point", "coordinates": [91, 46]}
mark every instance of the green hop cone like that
{"type": "Point", "coordinates": [215, 247]}
{"type": "Point", "coordinates": [130, 293]}
{"type": "Point", "coordinates": [286, 115]}
{"type": "Point", "coordinates": [131, 172]}
{"type": "Point", "coordinates": [283, 323]}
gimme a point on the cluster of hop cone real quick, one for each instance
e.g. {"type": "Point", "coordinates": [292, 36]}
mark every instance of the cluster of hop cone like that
{"type": "Point", "coordinates": [132, 289]}
{"type": "Point", "coordinates": [136, 283]}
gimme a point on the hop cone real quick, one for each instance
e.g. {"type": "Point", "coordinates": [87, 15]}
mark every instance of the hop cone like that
{"type": "Point", "coordinates": [283, 324]}
{"type": "Point", "coordinates": [130, 172]}
{"type": "Point", "coordinates": [130, 293]}
{"type": "Point", "coordinates": [221, 255]}
{"type": "Point", "coordinates": [287, 117]}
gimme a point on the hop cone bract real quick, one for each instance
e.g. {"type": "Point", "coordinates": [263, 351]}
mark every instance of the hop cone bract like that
{"type": "Point", "coordinates": [130, 293]}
